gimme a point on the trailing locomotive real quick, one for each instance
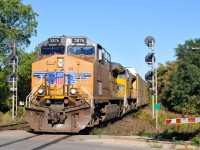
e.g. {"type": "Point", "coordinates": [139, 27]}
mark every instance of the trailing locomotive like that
{"type": "Point", "coordinates": [75, 85]}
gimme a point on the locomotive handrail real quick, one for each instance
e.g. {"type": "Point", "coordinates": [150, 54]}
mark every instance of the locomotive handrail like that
{"type": "Point", "coordinates": [84, 89]}
{"type": "Point", "coordinates": [33, 91]}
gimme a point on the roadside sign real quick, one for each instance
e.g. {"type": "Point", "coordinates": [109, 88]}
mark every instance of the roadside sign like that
{"type": "Point", "coordinates": [21, 103]}
{"type": "Point", "coordinates": [157, 106]}
{"type": "Point", "coordinates": [12, 89]}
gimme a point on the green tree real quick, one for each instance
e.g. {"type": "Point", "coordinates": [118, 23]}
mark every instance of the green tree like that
{"type": "Point", "coordinates": [165, 74]}
{"type": "Point", "coordinates": [179, 82]}
{"type": "Point", "coordinates": [4, 91]}
{"type": "Point", "coordinates": [186, 80]}
{"type": "Point", "coordinates": [24, 73]}
{"type": "Point", "coordinates": [17, 21]}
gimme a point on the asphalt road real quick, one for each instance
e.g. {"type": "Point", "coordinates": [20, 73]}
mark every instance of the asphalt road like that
{"type": "Point", "coordinates": [22, 140]}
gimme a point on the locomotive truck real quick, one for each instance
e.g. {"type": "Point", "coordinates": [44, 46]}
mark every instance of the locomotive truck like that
{"type": "Point", "coordinates": [76, 85]}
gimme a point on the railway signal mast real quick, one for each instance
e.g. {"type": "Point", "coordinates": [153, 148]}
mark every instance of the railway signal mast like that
{"type": "Point", "coordinates": [151, 76]}
{"type": "Point", "coordinates": [12, 78]}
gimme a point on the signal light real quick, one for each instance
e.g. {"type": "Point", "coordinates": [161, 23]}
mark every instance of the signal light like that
{"type": "Point", "coordinates": [150, 58]}
{"type": "Point", "coordinates": [149, 41]}
{"type": "Point", "coordinates": [13, 60]}
{"type": "Point", "coordinates": [149, 76]}
{"type": "Point", "coordinates": [12, 44]}
{"type": "Point", "coordinates": [12, 76]}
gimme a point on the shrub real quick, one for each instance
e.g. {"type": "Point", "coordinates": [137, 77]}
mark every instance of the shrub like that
{"type": "Point", "coordinates": [1, 117]}
{"type": "Point", "coordinates": [21, 111]}
{"type": "Point", "coordinates": [196, 140]}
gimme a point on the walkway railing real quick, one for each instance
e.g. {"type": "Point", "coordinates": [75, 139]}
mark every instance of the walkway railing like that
{"type": "Point", "coordinates": [30, 95]}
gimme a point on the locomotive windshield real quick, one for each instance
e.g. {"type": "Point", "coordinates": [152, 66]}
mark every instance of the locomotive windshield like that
{"type": "Point", "coordinates": [78, 50]}
{"type": "Point", "coordinates": [50, 50]}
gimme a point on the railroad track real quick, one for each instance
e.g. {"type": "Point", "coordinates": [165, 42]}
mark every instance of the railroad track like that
{"type": "Point", "coordinates": [15, 126]}
{"type": "Point", "coordinates": [16, 141]}
{"type": "Point", "coordinates": [34, 141]}
{"type": "Point", "coordinates": [51, 138]}
{"type": "Point", "coordinates": [52, 142]}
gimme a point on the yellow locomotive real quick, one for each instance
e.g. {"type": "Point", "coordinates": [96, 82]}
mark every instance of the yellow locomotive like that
{"type": "Point", "coordinates": [75, 85]}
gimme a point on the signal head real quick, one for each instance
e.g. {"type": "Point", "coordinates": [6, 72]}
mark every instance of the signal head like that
{"type": "Point", "coordinates": [149, 41]}
{"type": "Point", "coordinates": [149, 76]}
{"type": "Point", "coordinates": [150, 58]}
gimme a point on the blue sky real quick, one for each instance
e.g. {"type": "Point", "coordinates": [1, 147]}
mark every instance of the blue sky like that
{"type": "Point", "coordinates": [121, 26]}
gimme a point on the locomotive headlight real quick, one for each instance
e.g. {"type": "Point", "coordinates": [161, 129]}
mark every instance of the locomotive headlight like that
{"type": "Point", "coordinates": [48, 102]}
{"type": "Point", "coordinates": [60, 62]}
{"type": "Point", "coordinates": [73, 91]}
{"type": "Point", "coordinates": [41, 91]}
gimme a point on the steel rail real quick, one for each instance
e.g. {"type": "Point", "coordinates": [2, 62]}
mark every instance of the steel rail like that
{"type": "Point", "coordinates": [6, 144]}
{"type": "Point", "coordinates": [52, 143]}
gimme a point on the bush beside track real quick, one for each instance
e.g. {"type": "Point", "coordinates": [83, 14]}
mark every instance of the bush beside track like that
{"type": "Point", "coordinates": [6, 119]}
{"type": "Point", "coordinates": [141, 123]}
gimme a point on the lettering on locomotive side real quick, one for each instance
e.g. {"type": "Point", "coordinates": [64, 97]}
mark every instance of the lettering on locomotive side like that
{"type": "Point", "coordinates": [54, 40]}
{"type": "Point", "coordinates": [78, 40]}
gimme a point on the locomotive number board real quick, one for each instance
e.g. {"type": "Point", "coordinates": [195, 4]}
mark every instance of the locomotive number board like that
{"type": "Point", "coordinates": [54, 40]}
{"type": "Point", "coordinates": [78, 40]}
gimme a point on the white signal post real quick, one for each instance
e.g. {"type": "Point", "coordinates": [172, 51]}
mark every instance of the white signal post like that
{"type": "Point", "coordinates": [150, 42]}
{"type": "Point", "coordinates": [13, 85]}
{"type": "Point", "coordinates": [153, 86]}
{"type": "Point", "coordinates": [12, 45]}
{"type": "Point", "coordinates": [156, 92]}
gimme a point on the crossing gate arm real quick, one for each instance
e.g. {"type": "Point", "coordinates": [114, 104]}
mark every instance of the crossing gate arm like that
{"type": "Point", "coordinates": [183, 120]}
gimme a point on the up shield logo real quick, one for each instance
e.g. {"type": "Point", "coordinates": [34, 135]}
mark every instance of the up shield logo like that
{"type": "Point", "coordinates": [59, 78]}
{"type": "Point", "coordinates": [62, 78]}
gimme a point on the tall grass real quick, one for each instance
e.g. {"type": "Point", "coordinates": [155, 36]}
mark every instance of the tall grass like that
{"type": "Point", "coordinates": [6, 118]}
{"type": "Point", "coordinates": [142, 123]}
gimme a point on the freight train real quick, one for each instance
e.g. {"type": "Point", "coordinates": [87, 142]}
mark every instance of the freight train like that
{"type": "Point", "coordinates": [75, 85]}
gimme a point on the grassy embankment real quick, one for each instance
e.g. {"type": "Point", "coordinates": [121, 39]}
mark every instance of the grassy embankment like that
{"type": "Point", "coordinates": [5, 118]}
{"type": "Point", "coordinates": [142, 123]}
